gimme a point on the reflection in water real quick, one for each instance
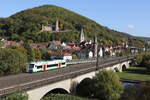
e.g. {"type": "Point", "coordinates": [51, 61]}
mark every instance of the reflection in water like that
{"type": "Point", "coordinates": [128, 83]}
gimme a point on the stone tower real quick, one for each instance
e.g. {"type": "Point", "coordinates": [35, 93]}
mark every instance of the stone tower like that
{"type": "Point", "coordinates": [82, 38]}
{"type": "Point", "coordinates": [95, 46]}
{"type": "Point", "coordinates": [57, 26]}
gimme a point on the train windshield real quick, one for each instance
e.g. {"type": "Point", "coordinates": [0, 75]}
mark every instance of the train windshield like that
{"type": "Point", "coordinates": [31, 66]}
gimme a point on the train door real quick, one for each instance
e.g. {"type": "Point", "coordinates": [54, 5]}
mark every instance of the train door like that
{"type": "Point", "coordinates": [59, 65]}
{"type": "Point", "coordinates": [44, 68]}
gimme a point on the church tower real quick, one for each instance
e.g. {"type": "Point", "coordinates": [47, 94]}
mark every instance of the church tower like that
{"type": "Point", "coordinates": [95, 46]}
{"type": "Point", "coordinates": [82, 38]}
{"type": "Point", "coordinates": [57, 26]}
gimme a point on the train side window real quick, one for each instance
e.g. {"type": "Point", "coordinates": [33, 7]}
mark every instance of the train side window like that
{"type": "Point", "coordinates": [63, 63]}
{"type": "Point", "coordinates": [52, 65]}
{"type": "Point", "coordinates": [39, 67]}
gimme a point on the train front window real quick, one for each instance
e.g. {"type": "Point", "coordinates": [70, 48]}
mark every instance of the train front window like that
{"type": "Point", "coordinates": [31, 66]}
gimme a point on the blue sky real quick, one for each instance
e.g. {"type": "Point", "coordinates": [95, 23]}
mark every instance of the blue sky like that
{"type": "Point", "coordinates": [131, 16]}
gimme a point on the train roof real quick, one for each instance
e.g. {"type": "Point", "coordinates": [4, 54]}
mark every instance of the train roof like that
{"type": "Point", "coordinates": [47, 62]}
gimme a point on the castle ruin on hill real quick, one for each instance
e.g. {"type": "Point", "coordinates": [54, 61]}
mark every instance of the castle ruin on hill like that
{"type": "Point", "coordinates": [51, 28]}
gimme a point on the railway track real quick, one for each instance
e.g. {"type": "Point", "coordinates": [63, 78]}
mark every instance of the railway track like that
{"type": "Point", "coordinates": [25, 81]}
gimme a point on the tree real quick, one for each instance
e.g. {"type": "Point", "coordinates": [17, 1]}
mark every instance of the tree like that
{"type": "Point", "coordinates": [30, 52]}
{"type": "Point", "coordinates": [26, 25]}
{"type": "Point", "coordinates": [107, 85]}
{"type": "Point", "coordinates": [37, 54]}
{"type": "Point", "coordinates": [12, 61]}
{"type": "Point", "coordinates": [104, 86]}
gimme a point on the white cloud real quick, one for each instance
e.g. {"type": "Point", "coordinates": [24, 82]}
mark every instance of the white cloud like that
{"type": "Point", "coordinates": [131, 26]}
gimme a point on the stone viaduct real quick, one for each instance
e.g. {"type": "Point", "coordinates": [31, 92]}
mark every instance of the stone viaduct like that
{"type": "Point", "coordinates": [69, 83]}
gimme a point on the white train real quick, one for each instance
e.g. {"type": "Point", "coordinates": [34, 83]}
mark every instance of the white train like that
{"type": "Point", "coordinates": [42, 66]}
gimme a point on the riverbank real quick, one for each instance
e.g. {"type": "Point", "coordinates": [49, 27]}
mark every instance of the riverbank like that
{"type": "Point", "coordinates": [135, 74]}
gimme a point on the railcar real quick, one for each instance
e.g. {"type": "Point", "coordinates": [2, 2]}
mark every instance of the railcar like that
{"type": "Point", "coordinates": [42, 66]}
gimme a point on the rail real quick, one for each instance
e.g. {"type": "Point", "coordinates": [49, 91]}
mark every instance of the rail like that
{"type": "Point", "coordinates": [34, 84]}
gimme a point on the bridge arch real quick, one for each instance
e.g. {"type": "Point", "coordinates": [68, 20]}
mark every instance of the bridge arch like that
{"type": "Point", "coordinates": [56, 91]}
{"type": "Point", "coordinates": [85, 87]}
{"type": "Point", "coordinates": [61, 86]}
{"type": "Point", "coordinates": [116, 69]}
{"type": "Point", "coordinates": [124, 67]}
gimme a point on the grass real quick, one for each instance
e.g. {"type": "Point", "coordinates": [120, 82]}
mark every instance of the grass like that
{"type": "Point", "coordinates": [135, 73]}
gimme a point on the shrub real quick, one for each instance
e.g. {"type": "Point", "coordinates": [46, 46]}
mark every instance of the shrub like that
{"type": "Point", "coordinates": [16, 96]}
{"type": "Point", "coordinates": [86, 88]}
{"type": "Point", "coordinates": [146, 62]}
{"type": "Point", "coordinates": [136, 92]}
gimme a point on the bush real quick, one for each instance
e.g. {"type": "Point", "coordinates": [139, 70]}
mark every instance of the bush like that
{"type": "Point", "coordinates": [146, 62]}
{"type": "Point", "coordinates": [138, 60]}
{"type": "Point", "coordinates": [16, 96]}
{"type": "Point", "coordinates": [86, 88]}
{"type": "Point", "coordinates": [62, 97]}
{"type": "Point", "coordinates": [137, 92]}
{"type": "Point", "coordinates": [74, 57]}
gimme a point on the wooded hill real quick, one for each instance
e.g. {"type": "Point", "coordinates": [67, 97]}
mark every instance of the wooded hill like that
{"type": "Point", "coordinates": [26, 25]}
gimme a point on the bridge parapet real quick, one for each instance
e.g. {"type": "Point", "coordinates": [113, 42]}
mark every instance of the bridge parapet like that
{"type": "Point", "coordinates": [71, 74]}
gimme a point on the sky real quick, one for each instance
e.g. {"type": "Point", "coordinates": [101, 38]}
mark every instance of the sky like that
{"type": "Point", "coordinates": [130, 16]}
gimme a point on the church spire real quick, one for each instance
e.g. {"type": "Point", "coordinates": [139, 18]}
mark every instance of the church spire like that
{"type": "Point", "coordinates": [82, 38]}
{"type": "Point", "coordinates": [57, 26]}
{"type": "Point", "coordinates": [95, 46]}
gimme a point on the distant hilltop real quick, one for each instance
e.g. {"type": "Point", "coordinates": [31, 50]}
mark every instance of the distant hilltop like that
{"type": "Point", "coordinates": [36, 25]}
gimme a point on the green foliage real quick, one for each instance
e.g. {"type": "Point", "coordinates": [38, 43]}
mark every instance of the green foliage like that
{"type": "Point", "coordinates": [0, 44]}
{"type": "Point", "coordinates": [104, 86]}
{"type": "Point", "coordinates": [74, 57]}
{"type": "Point", "coordinates": [37, 54]}
{"type": "Point", "coordinates": [137, 92]}
{"type": "Point", "coordinates": [12, 61]}
{"type": "Point", "coordinates": [16, 96]}
{"type": "Point", "coordinates": [63, 97]}
{"type": "Point", "coordinates": [86, 88]}
{"type": "Point", "coordinates": [30, 52]}
{"type": "Point", "coordinates": [108, 86]}
{"type": "Point", "coordinates": [135, 73]}
{"type": "Point", "coordinates": [138, 60]}
{"type": "Point", "coordinates": [46, 56]}
{"type": "Point", "coordinates": [26, 25]}
{"type": "Point", "coordinates": [123, 53]}
{"type": "Point", "coordinates": [146, 61]}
